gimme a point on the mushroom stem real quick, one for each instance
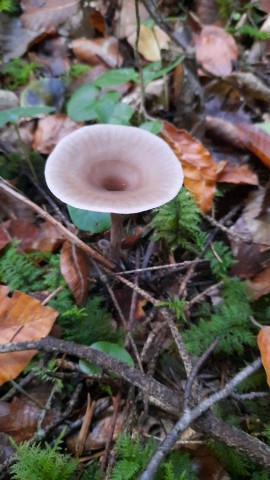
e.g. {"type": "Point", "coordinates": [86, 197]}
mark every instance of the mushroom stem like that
{"type": "Point", "coordinates": [116, 236]}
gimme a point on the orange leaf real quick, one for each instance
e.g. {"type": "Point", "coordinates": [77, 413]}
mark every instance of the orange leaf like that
{"type": "Point", "coordinates": [74, 268]}
{"type": "Point", "coordinates": [240, 175]}
{"type": "Point", "coordinates": [260, 285]}
{"type": "Point", "coordinates": [21, 318]}
{"type": "Point", "coordinates": [198, 166]}
{"type": "Point", "coordinates": [257, 141]}
{"type": "Point", "coordinates": [215, 50]}
{"type": "Point", "coordinates": [263, 341]}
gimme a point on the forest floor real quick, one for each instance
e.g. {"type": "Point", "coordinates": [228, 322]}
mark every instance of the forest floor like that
{"type": "Point", "coordinates": [152, 362]}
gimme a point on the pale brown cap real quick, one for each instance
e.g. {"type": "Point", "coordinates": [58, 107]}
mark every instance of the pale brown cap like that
{"type": "Point", "coordinates": [113, 168]}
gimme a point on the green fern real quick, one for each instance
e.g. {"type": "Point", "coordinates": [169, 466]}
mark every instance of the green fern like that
{"type": "Point", "coordinates": [177, 306]}
{"type": "Point", "coordinates": [231, 322]}
{"type": "Point", "coordinates": [220, 257]}
{"type": "Point", "coordinates": [252, 32]}
{"type": "Point", "coordinates": [17, 70]}
{"type": "Point", "coordinates": [178, 223]}
{"type": "Point", "coordinates": [34, 463]}
{"type": "Point", "coordinates": [24, 272]}
{"type": "Point", "coordinates": [234, 463]}
{"type": "Point", "coordinates": [132, 458]}
{"type": "Point", "coordinates": [89, 324]}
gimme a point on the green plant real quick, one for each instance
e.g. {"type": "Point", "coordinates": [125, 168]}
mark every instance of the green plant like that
{"type": "Point", "coordinates": [176, 305]}
{"type": "Point", "coordinates": [35, 463]}
{"type": "Point", "coordinates": [230, 321]}
{"type": "Point", "coordinates": [86, 325]}
{"type": "Point", "coordinates": [24, 272]}
{"type": "Point", "coordinates": [18, 72]}
{"type": "Point", "coordinates": [8, 6]}
{"type": "Point", "coordinates": [178, 223]}
{"type": "Point", "coordinates": [133, 456]}
{"type": "Point", "coordinates": [221, 259]}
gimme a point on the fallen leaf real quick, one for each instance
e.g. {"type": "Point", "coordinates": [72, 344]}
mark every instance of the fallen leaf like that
{"type": "Point", "coordinates": [198, 166]}
{"type": "Point", "coordinates": [75, 270]}
{"type": "Point", "coordinates": [240, 175]}
{"type": "Point", "coordinates": [127, 23]}
{"type": "Point", "coordinates": [223, 130]}
{"type": "Point", "coordinates": [216, 50]}
{"type": "Point", "coordinates": [10, 207]}
{"type": "Point", "coordinates": [260, 285]}
{"type": "Point", "coordinates": [256, 218]}
{"type": "Point", "coordinates": [6, 449]}
{"type": "Point", "coordinates": [51, 130]}
{"type": "Point", "coordinates": [8, 100]}
{"type": "Point", "coordinates": [42, 238]}
{"type": "Point", "coordinates": [264, 5]}
{"type": "Point", "coordinates": [256, 140]}
{"type": "Point", "coordinates": [46, 15]}
{"type": "Point", "coordinates": [96, 50]}
{"type": "Point", "coordinates": [21, 318]}
{"type": "Point", "coordinates": [263, 341]}
{"type": "Point", "coordinates": [15, 39]}
{"type": "Point", "coordinates": [97, 438]}
{"type": "Point", "coordinates": [19, 418]}
{"type": "Point", "coordinates": [4, 237]}
{"type": "Point", "coordinates": [97, 21]}
{"type": "Point", "coordinates": [151, 42]}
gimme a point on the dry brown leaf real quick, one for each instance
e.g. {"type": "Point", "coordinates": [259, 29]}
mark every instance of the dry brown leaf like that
{"type": "Point", "coordinates": [257, 141]}
{"type": "Point", "coordinates": [46, 15]}
{"type": "Point", "coordinates": [4, 237]}
{"type": "Point", "coordinates": [97, 438]}
{"type": "Point", "coordinates": [97, 21]}
{"type": "Point", "coordinates": [21, 318]}
{"type": "Point", "coordinates": [223, 130]}
{"type": "Point", "coordinates": [240, 175]}
{"type": "Point", "coordinates": [198, 166]}
{"type": "Point", "coordinates": [127, 19]}
{"type": "Point", "coordinates": [215, 50]}
{"type": "Point", "coordinates": [42, 238]}
{"type": "Point", "coordinates": [255, 217]}
{"type": "Point", "coordinates": [150, 42]}
{"type": "Point", "coordinates": [10, 207]}
{"type": "Point", "coordinates": [75, 270]}
{"type": "Point", "coordinates": [51, 130]}
{"type": "Point", "coordinates": [260, 285]}
{"type": "Point", "coordinates": [96, 50]}
{"type": "Point", "coordinates": [264, 5]}
{"type": "Point", "coordinates": [263, 341]}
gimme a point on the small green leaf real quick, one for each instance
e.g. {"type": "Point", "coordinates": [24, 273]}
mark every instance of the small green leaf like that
{"type": "Point", "coordinates": [155, 70]}
{"type": "Point", "coordinates": [89, 221]}
{"type": "Point", "coordinates": [116, 77]}
{"type": "Point", "coordinates": [112, 349]}
{"type": "Point", "coordinates": [80, 105]}
{"type": "Point", "coordinates": [12, 115]}
{"type": "Point", "coordinates": [265, 126]}
{"type": "Point", "coordinates": [121, 114]}
{"type": "Point", "coordinates": [153, 127]}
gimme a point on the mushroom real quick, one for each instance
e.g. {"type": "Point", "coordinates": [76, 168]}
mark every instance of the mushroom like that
{"type": "Point", "coordinates": [116, 169]}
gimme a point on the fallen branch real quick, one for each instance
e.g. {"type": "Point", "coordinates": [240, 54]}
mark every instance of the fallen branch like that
{"type": "Point", "coordinates": [159, 395]}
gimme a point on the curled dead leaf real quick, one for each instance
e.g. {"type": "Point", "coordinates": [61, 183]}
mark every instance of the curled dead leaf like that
{"type": "Point", "coordinates": [46, 15]}
{"type": "Point", "coordinates": [256, 140]}
{"type": "Point", "coordinates": [240, 175]}
{"type": "Point", "coordinates": [75, 270]}
{"type": "Point", "coordinates": [260, 285]}
{"type": "Point", "coordinates": [151, 42]}
{"type": "Point", "coordinates": [21, 318]}
{"type": "Point", "coordinates": [198, 166]}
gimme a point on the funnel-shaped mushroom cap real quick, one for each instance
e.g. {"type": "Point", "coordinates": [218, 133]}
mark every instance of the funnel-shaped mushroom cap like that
{"type": "Point", "coordinates": [113, 168]}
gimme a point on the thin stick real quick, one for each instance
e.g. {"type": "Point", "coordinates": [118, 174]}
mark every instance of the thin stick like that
{"type": "Point", "coordinates": [190, 415]}
{"type": "Point", "coordinates": [138, 59]}
{"type": "Point", "coordinates": [116, 237]}
{"type": "Point", "coordinates": [67, 234]}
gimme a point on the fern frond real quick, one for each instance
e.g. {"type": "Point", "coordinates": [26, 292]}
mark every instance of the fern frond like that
{"type": "Point", "coordinates": [178, 223]}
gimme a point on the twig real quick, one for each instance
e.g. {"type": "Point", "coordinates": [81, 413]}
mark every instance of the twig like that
{"type": "Point", "coordinates": [167, 399]}
{"type": "Point", "coordinates": [170, 266]}
{"type": "Point", "coordinates": [190, 415]}
{"type": "Point", "coordinates": [104, 460]}
{"type": "Point", "coordinates": [201, 295]}
{"type": "Point", "coordinates": [138, 59]}
{"type": "Point", "coordinates": [103, 278]}
{"type": "Point", "coordinates": [27, 395]}
{"type": "Point", "coordinates": [67, 234]}
{"type": "Point", "coordinates": [196, 369]}
{"type": "Point", "coordinates": [250, 395]}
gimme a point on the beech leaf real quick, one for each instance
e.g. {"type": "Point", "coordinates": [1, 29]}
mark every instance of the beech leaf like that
{"type": "Point", "coordinates": [21, 318]}
{"type": "Point", "coordinates": [198, 166]}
